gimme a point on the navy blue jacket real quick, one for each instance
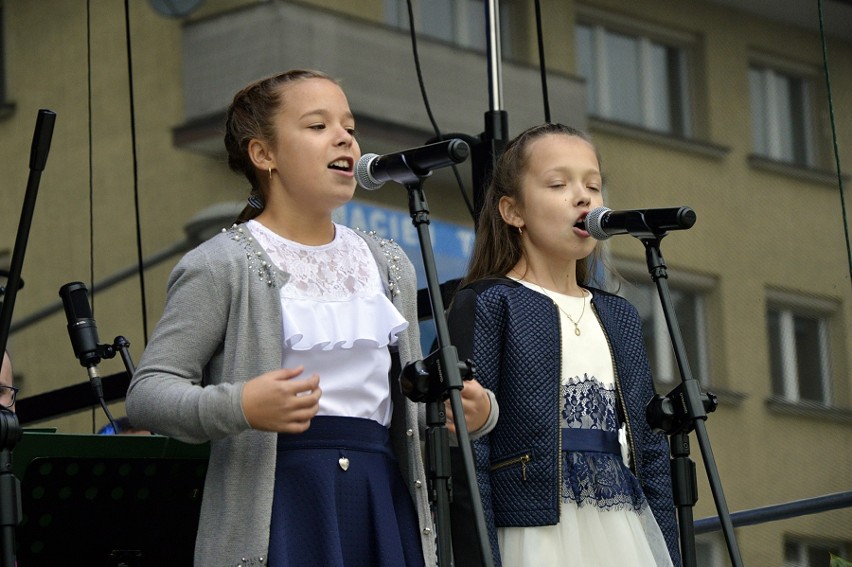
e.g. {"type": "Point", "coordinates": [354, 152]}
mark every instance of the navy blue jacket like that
{"type": "Point", "coordinates": [512, 335]}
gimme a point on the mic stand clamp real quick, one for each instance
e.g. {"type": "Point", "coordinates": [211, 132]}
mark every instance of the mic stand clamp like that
{"type": "Point", "coordinates": [434, 379]}
{"type": "Point", "coordinates": [121, 345]}
{"type": "Point", "coordinates": [422, 380]}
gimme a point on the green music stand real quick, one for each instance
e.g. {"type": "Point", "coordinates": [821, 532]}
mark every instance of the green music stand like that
{"type": "Point", "coordinates": [107, 500]}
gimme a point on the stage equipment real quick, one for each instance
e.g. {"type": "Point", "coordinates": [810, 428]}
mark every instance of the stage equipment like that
{"type": "Point", "coordinates": [10, 430]}
{"type": "Point", "coordinates": [680, 412]}
{"type": "Point", "coordinates": [83, 333]}
{"type": "Point", "coordinates": [408, 166]}
{"type": "Point", "coordinates": [437, 377]}
{"type": "Point", "coordinates": [601, 223]}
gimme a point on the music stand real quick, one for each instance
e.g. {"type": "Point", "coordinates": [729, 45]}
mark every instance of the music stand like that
{"type": "Point", "coordinates": [108, 500]}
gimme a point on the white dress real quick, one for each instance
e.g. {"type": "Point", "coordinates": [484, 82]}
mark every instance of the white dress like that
{"type": "Point", "coordinates": [605, 519]}
{"type": "Point", "coordinates": [333, 301]}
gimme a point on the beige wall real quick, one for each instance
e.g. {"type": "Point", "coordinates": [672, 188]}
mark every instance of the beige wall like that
{"type": "Point", "coordinates": [757, 229]}
{"type": "Point", "coordinates": [46, 61]}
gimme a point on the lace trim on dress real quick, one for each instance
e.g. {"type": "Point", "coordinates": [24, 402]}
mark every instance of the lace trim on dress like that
{"type": "Point", "coordinates": [597, 479]}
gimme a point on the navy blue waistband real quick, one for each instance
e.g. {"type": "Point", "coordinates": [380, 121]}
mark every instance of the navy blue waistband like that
{"type": "Point", "coordinates": [339, 432]}
{"type": "Point", "coordinates": [590, 440]}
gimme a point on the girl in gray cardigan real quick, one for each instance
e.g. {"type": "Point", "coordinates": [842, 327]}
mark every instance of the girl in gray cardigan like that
{"type": "Point", "coordinates": [276, 346]}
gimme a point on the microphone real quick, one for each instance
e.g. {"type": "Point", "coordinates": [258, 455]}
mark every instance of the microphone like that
{"type": "Point", "coordinates": [408, 166]}
{"type": "Point", "coordinates": [84, 338]}
{"type": "Point", "coordinates": [81, 325]}
{"type": "Point", "coordinates": [601, 223]}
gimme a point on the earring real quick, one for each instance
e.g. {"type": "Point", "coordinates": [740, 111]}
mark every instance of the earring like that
{"type": "Point", "coordinates": [270, 174]}
{"type": "Point", "coordinates": [520, 231]}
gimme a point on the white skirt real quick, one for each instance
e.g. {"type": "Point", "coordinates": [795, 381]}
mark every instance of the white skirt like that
{"type": "Point", "coordinates": [587, 537]}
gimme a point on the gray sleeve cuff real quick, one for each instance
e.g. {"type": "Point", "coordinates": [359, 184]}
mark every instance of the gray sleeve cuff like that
{"type": "Point", "coordinates": [491, 422]}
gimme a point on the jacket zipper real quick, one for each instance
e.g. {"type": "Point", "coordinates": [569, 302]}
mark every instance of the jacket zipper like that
{"type": "Point", "coordinates": [523, 460]}
{"type": "Point", "coordinates": [559, 424]}
{"type": "Point", "coordinates": [634, 462]}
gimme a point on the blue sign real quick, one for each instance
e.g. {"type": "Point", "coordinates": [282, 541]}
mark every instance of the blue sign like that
{"type": "Point", "coordinates": [452, 245]}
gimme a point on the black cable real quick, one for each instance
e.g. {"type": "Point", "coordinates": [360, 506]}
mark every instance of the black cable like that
{"type": "Point", "coordinates": [422, 85]}
{"type": "Point", "coordinates": [139, 257]}
{"type": "Point", "coordinates": [541, 63]}
{"type": "Point", "coordinates": [91, 163]}
{"type": "Point", "coordinates": [834, 139]}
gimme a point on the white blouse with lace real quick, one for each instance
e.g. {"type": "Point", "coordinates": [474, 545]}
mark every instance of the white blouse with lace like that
{"type": "Point", "coordinates": [338, 321]}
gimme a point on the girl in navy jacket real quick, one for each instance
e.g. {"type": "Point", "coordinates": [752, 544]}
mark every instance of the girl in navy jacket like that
{"type": "Point", "coordinates": [571, 474]}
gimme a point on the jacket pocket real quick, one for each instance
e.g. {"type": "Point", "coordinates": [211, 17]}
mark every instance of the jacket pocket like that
{"type": "Point", "coordinates": [512, 464]}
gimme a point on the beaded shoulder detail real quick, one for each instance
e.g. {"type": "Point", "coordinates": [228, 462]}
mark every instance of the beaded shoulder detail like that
{"type": "Point", "coordinates": [255, 261]}
{"type": "Point", "coordinates": [393, 254]}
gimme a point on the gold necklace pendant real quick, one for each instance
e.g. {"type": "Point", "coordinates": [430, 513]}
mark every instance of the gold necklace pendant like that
{"type": "Point", "coordinates": [576, 326]}
{"type": "Point", "coordinates": [582, 311]}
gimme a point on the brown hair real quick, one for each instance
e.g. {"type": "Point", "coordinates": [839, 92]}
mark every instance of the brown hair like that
{"type": "Point", "coordinates": [497, 248]}
{"type": "Point", "coordinates": [251, 116]}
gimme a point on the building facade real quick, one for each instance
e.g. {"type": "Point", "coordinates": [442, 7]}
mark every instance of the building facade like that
{"type": "Point", "coordinates": [739, 110]}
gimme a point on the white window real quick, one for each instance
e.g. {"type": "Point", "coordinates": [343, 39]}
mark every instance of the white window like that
{"type": "Point", "coordinates": [798, 352]}
{"type": "Point", "coordinates": [782, 115]}
{"type": "Point", "coordinates": [690, 313]}
{"type": "Point", "coordinates": [710, 550]}
{"type": "Point", "coordinates": [635, 79]}
{"type": "Point", "coordinates": [811, 554]}
{"type": "Point", "coordinates": [461, 22]}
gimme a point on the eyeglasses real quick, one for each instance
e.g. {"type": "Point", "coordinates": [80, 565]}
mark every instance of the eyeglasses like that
{"type": "Point", "coordinates": [8, 394]}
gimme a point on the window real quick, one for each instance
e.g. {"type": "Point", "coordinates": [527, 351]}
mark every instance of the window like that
{"type": "Point", "coordinates": [690, 313]}
{"type": "Point", "coordinates": [461, 22]}
{"type": "Point", "coordinates": [635, 79]}
{"type": "Point", "coordinates": [710, 550]}
{"type": "Point", "coordinates": [782, 119]}
{"type": "Point", "coordinates": [811, 554]}
{"type": "Point", "coordinates": [6, 107]}
{"type": "Point", "coordinates": [798, 351]}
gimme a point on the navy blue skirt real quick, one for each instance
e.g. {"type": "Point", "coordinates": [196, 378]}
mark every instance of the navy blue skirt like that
{"type": "Point", "coordinates": [340, 500]}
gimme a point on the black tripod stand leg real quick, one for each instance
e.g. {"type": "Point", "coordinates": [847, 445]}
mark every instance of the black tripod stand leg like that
{"type": "Point", "coordinates": [685, 494]}
{"type": "Point", "coordinates": [10, 509]}
{"type": "Point", "coordinates": [439, 472]}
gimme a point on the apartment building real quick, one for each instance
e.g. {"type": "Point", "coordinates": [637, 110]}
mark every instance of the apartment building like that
{"type": "Point", "coordinates": [739, 110]}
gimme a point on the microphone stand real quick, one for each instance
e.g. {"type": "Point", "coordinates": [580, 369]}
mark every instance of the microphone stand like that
{"type": "Point", "coordinates": [10, 486]}
{"type": "Point", "coordinates": [432, 380]}
{"type": "Point", "coordinates": [493, 138]}
{"type": "Point", "coordinates": [10, 429]}
{"type": "Point", "coordinates": [683, 410]}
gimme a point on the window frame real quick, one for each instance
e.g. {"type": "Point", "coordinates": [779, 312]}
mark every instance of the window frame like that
{"type": "Point", "coordinates": [805, 547]}
{"type": "Point", "coordinates": [789, 306]}
{"type": "Point", "coordinates": [7, 108]}
{"type": "Point", "coordinates": [777, 74]}
{"type": "Point", "coordinates": [396, 15]}
{"type": "Point", "coordinates": [682, 120]}
{"type": "Point", "coordinates": [700, 287]}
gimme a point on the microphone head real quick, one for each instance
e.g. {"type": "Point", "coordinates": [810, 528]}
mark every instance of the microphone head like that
{"type": "Point", "coordinates": [362, 172]}
{"type": "Point", "coordinates": [82, 329]}
{"type": "Point", "coordinates": [594, 223]}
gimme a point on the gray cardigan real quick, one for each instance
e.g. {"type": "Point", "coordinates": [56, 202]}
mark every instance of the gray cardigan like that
{"type": "Point", "coordinates": [222, 325]}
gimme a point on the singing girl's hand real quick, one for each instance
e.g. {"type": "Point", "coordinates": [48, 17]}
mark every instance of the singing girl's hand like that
{"type": "Point", "coordinates": [279, 401]}
{"type": "Point", "coordinates": [476, 405]}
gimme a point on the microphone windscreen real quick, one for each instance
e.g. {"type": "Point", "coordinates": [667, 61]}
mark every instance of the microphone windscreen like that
{"type": "Point", "coordinates": [594, 223]}
{"type": "Point", "coordinates": [362, 172]}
